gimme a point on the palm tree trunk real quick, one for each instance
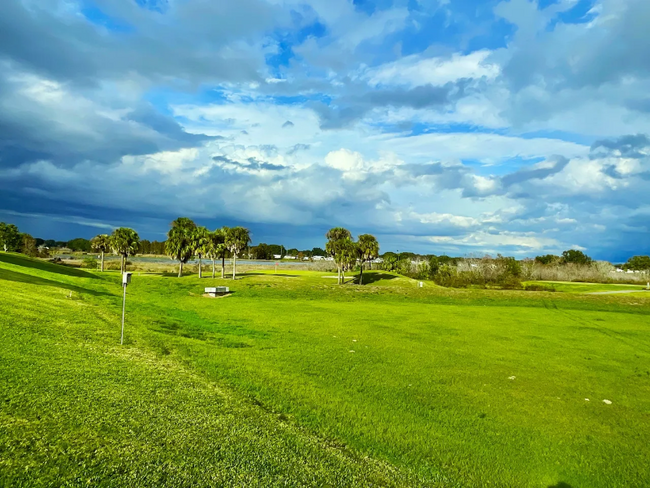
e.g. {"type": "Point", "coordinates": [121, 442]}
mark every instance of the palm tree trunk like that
{"type": "Point", "coordinates": [102, 261]}
{"type": "Point", "coordinates": [338, 275]}
{"type": "Point", "coordinates": [234, 266]}
{"type": "Point", "coordinates": [180, 269]}
{"type": "Point", "coordinates": [122, 264]}
{"type": "Point", "coordinates": [223, 267]}
{"type": "Point", "coordinates": [213, 267]}
{"type": "Point", "coordinates": [361, 274]}
{"type": "Point", "coordinates": [200, 272]}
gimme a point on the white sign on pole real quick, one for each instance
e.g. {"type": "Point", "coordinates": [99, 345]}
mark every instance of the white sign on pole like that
{"type": "Point", "coordinates": [126, 279]}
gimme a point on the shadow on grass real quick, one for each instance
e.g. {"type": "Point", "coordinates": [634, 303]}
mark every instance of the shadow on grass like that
{"type": "Point", "coordinates": [370, 277]}
{"type": "Point", "coordinates": [45, 266]}
{"type": "Point", "coordinates": [561, 484]}
{"type": "Point", "coordinates": [14, 276]}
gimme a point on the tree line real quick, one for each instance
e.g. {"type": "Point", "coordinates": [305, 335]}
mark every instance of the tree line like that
{"type": "Point", "coordinates": [186, 240]}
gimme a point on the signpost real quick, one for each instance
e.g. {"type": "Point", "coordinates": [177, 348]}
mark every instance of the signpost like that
{"type": "Point", "coordinates": [126, 279]}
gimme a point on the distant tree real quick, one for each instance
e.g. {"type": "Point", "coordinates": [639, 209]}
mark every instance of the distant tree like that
{"type": "Point", "coordinates": [124, 241]}
{"type": "Point", "coordinates": [573, 256]}
{"type": "Point", "coordinates": [9, 237]}
{"type": "Point", "coordinates": [510, 265]}
{"type": "Point", "coordinates": [201, 245]}
{"type": "Point", "coordinates": [276, 250]}
{"type": "Point", "coordinates": [145, 246]}
{"type": "Point", "coordinates": [102, 244]}
{"type": "Point", "coordinates": [638, 263]}
{"type": "Point", "coordinates": [391, 261]}
{"type": "Point", "coordinates": [434, 266]}
{"type": "Point", "coordinates": [217, 249]}
{"type": "Point", "coordinates": [39, 241]}
{"type": "Point", "coordinates": [368, 248]}
{"type": "Point", "coordinates": [237, 239]}
{"type": "Point", "coordinates": [337, 246]}
{"type": "Point", "coordinates": [158, 248]}
{"type": "Point", "coordinates": [547, 259]}
{"type": "Point", "coordinates": [79, 244]}
{"type": "Point", "coordinates": [317, 251]}
{"type": "Point", "coordinates": [443, 259]}
{"type": "Point", "coordinates": [28, 245]}
{"type": "Point", "coordinates": [261, 251]}
{"type": "Point", "coordinates": [180, 241]}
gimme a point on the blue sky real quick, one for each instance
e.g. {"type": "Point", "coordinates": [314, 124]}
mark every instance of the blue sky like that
{"type": "Point", "coordinates": [441, 126]}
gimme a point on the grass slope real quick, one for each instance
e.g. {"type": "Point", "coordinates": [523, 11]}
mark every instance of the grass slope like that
{"type": "Point", "coordinates": [76, 409]}
{"type": "Point", "coordinates": [426, 390]}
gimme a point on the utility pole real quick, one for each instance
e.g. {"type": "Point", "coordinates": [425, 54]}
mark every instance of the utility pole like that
{"type": "Point", "coordinates": [126, 279]}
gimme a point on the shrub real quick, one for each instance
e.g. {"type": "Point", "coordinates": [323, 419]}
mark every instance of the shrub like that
{"type": "Point", "coordinates": [115, 265]}
{"type": "Point", "coordinates": [89, 263]}
{"type": "Point", "coordinates": [509, 282]}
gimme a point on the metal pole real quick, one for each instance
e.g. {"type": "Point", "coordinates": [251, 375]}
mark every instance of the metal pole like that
{"type": "Point", "coordinates": [123, 308]}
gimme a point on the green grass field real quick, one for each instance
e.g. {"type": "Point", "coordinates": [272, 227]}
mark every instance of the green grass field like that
{"type": "Point", "coordinates": [294, 381]}
{"type": "Point", "coordinates": [577, 287]}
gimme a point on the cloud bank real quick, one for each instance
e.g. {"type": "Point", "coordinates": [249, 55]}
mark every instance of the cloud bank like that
{"type": "Point", "coordinates": [516, 127]}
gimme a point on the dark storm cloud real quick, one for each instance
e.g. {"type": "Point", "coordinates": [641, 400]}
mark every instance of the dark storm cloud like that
{"type": "Point", "coordinates": [49, 39]}
{"type": "Point", "coordinates": [615, 48]}
{"type": "Point", "coordinates": [351, 107]}
{"type": "Point", "coordinates": [46, 42]}
{"type": "Point", "coordinates": [560, 163]}
{"type": "Point", "coordinates": [630, 146]}
{"type": "Point", "coordinates": [251, 163]}
{"type": "Point", "coordinates": [31, 132]}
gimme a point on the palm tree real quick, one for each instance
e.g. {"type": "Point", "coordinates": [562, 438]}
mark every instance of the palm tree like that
{"type": "Point", "coordinates": [180, 241]}
{"type": "Point", "coordinates": [201, 245]}
{"type": "Point", "coordinates": [237, 238]}
{"type": "Point", "coordinates": [336, 238]}
{"type": "Point", "coordinates": [347, 256]}
{"type": "Point", "coordinates": [125, 242]}
{"type": "Point", "coordinates": [217, 249]}
{"type": "Point", "coordinates": [368, 250]}
{"type": "Point", "coordinates": [102, 244]}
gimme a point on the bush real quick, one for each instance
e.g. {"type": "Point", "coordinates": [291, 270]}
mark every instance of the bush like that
{"type": "Point", "coordinates": [89, 263]}
{"type": "Point", "coordinates": [509, 282]}
{"type": "Point", "coordinates": [115, 265]}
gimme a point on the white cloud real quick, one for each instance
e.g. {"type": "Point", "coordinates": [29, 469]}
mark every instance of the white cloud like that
{"type": "Point", "coordinates": [415, 70]}
{"type": "Point", "coordinates": [487, 148]}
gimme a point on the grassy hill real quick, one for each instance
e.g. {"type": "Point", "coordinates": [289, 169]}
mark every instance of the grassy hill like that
{"type": "Point", "coordinates": [295, 381]}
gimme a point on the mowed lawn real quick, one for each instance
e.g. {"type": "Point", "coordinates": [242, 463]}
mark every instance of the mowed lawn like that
{"type": "Point", "coordinates": [295, 381]}
{"type": "Point", "coordinates": [577, 287]}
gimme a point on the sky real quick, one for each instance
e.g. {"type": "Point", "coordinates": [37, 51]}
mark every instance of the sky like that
{"type": "Point", "coordinates": [440, 126]}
